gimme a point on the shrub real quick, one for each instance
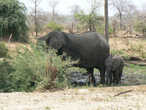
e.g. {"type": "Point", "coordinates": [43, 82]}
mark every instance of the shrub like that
{"type": "Point", "coordinates": [36, 68]}
{"type": "Point", "coordinates": [5, 76]}
{"type": "Point", "coordinates": [33, 68]}
{"type": "Point", "coordinates": [3, 50]}
{"type": "Point", "coordinates": [54, 26]}
{"type": "Point", "coordinates": [13, 20]}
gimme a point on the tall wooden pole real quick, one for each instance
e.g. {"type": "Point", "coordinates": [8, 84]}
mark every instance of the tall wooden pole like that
{"type": "Point", "coordinates": [106, 33]}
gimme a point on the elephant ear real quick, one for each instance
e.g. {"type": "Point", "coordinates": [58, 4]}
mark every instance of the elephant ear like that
{"type": "Point", "coordinates": [56, 40]}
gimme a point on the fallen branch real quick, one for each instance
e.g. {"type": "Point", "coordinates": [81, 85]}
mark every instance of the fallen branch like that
{"type": "Point", "coordinates": [123, 93]}
{"type": "Point", "coordinates": [137, 63]}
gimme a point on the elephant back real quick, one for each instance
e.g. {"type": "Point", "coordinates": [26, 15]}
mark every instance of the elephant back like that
{"type": "Point", "coordinates": [92, 49]}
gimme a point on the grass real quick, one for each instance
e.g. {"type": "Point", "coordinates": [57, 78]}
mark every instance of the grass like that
{"type": "Point", "coordinates": [131, 68]}
{"type": "Point", "coordinates": [134, 75]}
{"type": "Point", "coordinates": [128, 47]}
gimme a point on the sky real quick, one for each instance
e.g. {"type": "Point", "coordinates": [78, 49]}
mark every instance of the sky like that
{"type": "Point", "coordinates": [65, 6]}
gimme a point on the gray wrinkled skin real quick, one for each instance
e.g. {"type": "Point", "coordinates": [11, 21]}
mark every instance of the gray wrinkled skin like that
{"type": "Point", "coordinates": [90, 48]}
{"type": "Point", "coordinates": [114, 68]}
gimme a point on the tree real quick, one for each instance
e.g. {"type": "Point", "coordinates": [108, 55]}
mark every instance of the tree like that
{"type": "Point", "coordinates": [35, 14]}
{"type": "Point", "coordinates": [75, 9]}
{"type": "Point", "coordinates": [89, 20]}
{"type": "Point", "coordinates": [53, 4]}
{"type": "Point", "coordinates": [13, 20]}
{"type": "Point", "coordinates": [42, 20]}
{"type": "Point", "coordinates": [120, 6]}
{"type": "Point", "coordinates": [106, 19]}
{"type": "Point", "coordinates": [140, 21]}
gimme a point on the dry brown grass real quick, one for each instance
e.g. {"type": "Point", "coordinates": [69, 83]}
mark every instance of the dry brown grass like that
{"type": "Point", "coordinates": [129, 46]}
{"type": "Point", "coordinates": [12, 47]}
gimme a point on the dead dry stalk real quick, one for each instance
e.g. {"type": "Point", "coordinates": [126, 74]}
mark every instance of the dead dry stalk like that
{"type": "Point", "coordinates": [9, 41]}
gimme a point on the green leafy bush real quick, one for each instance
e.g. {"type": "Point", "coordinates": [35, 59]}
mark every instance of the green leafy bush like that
{"type": "Point", "coordinates": [35, 68]}
{"type": "Point", "coordinates": [3, 50]}
{"type": "Point", "coordinates": [13, 20]}
{"type": "Point", "coordinates": [90, 21]}
{"type": "Point", "coordinates": [54, 26]}
{"type": "Point", "coordinates": [5, 76]}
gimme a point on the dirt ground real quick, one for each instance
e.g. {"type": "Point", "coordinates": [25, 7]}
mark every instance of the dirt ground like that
{"type": "Point", "coordinates": [99, 98]}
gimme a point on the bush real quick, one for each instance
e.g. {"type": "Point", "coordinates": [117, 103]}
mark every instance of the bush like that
{"type": "Point", "coordinates": [54, 26]}
{"type": "Point", "coordinates": [13, 20]}
{"type": "Point", "coordinates": [5, 76]}
{"type": "Point", "coordinates": [3, 50]}
{"type": "Point", "coordinates": [35, 68]}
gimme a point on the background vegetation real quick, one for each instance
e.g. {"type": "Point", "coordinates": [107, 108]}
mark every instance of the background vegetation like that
{"type": "Point", "coordinates": [13, 20]}
{"type": "Point", "coordinates": [32, 68]}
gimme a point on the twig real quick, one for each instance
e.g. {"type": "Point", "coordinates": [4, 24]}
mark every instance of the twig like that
{"type": "Point", "coordinates": [123, 93]}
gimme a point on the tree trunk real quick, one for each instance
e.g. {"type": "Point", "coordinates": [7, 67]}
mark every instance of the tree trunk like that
{"type": "Point", "coordinates": [35, 18]}
{"type": "Point", "coordinates": [106, 19]}
{"type": "Point", "coordinates": [120, 21]}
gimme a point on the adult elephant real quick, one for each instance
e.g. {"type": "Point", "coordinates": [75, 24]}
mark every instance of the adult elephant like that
{"type": "Point", "coordinates": [90, 48]}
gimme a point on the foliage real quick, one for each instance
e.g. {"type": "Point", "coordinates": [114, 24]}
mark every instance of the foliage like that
{"type": "Point", "coordinates": [3, 50]}
{"type": "Point", "coordinates": [100, 28]}
{"type": "Point", "coordinates": [5, 76]}
{"type": "Point", "coordinates": [34, 68]}
{"type": "Point", "coordinates": [54, 26]}
{"type": "Point", "coordinates": [89, 21]}
{"type": "Point", "coordinates": [13, 20]}
{"type": "Point", "coordinates": [140, 26]}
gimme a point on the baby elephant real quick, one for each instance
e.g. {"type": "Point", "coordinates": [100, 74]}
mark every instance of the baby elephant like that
{"type": "Point", "coordinates": [114, 68]}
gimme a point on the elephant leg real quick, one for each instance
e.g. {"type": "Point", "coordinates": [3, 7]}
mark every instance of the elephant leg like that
{"type": "Point", "coordinates": [107, 78]}
{"type": "Point", "coordinates": [116, 77]}
{"type": "Point", "coordinates": [110, 78]}
{"type": "Point", "coordinates": [102, 76]}
{"type": "Point", "coordinates": [91, 76]}
{"type": "Point", "coordinates": [120, 74]}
